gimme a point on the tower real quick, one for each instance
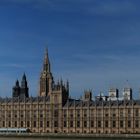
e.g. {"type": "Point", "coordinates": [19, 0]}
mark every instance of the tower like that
{"type": "Point", "coordinates": [87, 96]}
{"type": "Point", "coordinates": [113, 94]}
{"type": "Point", "coordinates": [127, 93]}
{"type": "Point", "coordinates": [24, 87]}
{"type": "Point", "coordinates": [16, 90]}
{"type": "Point", "coordinates": [46, 78]}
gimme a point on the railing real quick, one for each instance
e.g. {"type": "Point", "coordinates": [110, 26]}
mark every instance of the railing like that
{"type": "Point", "coordinates": [14, 130]}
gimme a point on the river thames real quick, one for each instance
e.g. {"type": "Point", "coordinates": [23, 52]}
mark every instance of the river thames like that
{"type": "Point", "coordinates": [27, 138]}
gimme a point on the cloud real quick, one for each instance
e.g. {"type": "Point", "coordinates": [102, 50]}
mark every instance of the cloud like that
{"type": "Point", "coordinates": [12, 65]}
{"type": "Point", "coordinates": [24, 1]}
{"type": "Point", "coordinates": [109, 7]}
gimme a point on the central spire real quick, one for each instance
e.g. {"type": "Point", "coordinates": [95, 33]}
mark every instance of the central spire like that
{"type": "Point", "coordinates": [46, 57]}
{"type": "Point", "coordinates": [46, 66]}
{"type": "Point", "coordinates": [46, 78]}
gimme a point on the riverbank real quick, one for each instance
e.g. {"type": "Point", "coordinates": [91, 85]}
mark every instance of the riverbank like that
{"type": "Point", "coordinates": [73, 136]}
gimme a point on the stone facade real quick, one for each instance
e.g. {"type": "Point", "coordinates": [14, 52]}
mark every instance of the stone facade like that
{"type": "Point", "coordinates": [52, 111]}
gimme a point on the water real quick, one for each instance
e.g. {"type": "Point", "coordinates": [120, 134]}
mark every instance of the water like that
{"type": "Point", "coordinates": [33, 139]}
{"type": "Point", "coordinates": [26, 138]}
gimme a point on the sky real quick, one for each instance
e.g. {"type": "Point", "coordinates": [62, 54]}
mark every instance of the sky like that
{"type": "Point", "coordinates": [95, 44]}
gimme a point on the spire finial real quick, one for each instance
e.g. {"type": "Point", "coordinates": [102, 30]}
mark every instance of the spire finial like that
{"type": "Point", "coordinates": [46, 51]}
{"type": "Point", "coordinates": [61, 81]}
{"type": "Point", "coordinates": [67, 85]}
{"type": "Point", "coordinates": [46, 56]}
{"type": "Point", "coordinates": [17, 83]}
{"type": "Point", "coordinates": [24, 76]}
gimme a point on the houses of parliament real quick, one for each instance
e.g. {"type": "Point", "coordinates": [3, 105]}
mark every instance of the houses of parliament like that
{"type": "Point", "coordinates": [53, 111]}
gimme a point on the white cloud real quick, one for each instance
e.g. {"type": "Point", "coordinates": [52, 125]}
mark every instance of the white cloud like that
{"type": "Point", "coordinates": [13, 65]}
{"type": "Point", "coordinates": [26, 1]}
{"type": "Point", "coordinates": [112, 7]}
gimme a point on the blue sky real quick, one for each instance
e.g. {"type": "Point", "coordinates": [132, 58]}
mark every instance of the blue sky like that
{"type": "Point", "coordinates": [95, 44]}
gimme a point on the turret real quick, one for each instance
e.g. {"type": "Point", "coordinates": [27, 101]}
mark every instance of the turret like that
{"type": "Point", "coordinates": [87, 96]}
{"type": "Point", "coordinates": [16, 90]}
{"type": "Point", "coordinates": [127, 93]}
{"type": "Point", "coordinates": [24, 87]}
{"type": "Point", "coordinates": [67, 87]}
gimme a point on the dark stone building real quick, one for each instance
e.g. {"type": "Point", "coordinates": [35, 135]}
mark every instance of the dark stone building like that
{"type": "Point", "coordinates": [21, 92]}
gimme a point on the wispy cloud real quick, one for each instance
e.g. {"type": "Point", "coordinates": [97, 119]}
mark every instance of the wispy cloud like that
{"type": "Point", "coordinates": [12, 65]}
{"type": "Point", "coordinates": [118, 7]}
{"type": "Point", "coordinates": [24, 2]}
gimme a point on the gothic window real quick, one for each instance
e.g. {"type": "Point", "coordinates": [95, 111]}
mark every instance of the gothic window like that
{"type": "Point", "coordinates": [21, 123]}
{"type": "Point", "coordinates": [78, 115]}
{"type": "Point", "coordinates": [9, 124]}
{"type": "Point", "coordinates": [43, 84]}
{"type": "Point", "coordinates": [71, 123]}
{"type": "Point", "coordinates": [28, 114]}
{"type": "Point", "coordinates": [92, 123]}
{"type": "Point", "coordinates": [99, 124]}
{"type": "Point", "coordinates": [56, 99]}
{"type": "Point", "coordinates": [129, 112]}
{"type": "Point", "coordinates": [48, 106]}
{"type": "Point", "coordinates": [129, 124]}
{"type": "Point", "coordinates": [34, 124]}
{"type": "Point", "coordinates": [85, 113]}
{"type": "Point", "coordinates": [28, 124]}
{"type": "Point", "coordinates": [106, 114]}
{"type": "Point", "coordinates": [114, 124]}
{"type": "Point", "coordinates": [47, 113]}
{"type": "Point", "coordinates": [106, 124]}
{"type": "Point", "coordinates": [78, 111]}
{"type": "Point", "coordinates": [47, 123]}
{"type": "Point", "coordinates": [3, 123]}
{"type": "Point", "coordinates": [65, 124]}
{"type": "Point", "coordinates": [78, 123]}
{"type": "Point", "coordinates": [121, 124]}
{"type": "Point", "coordinates": [137, 124]}
{"type": "Point", "coordinates": [35, 106]}
{"type": "Point", "coordinates": [121, 112]}
{"type": "Point", "coordinates": [136, 112]}
{"type": "Point", "coordinates": [92, 112]}
{"type": "Point", "coordinates": [55, 113]}
{"type": "Point", "coordinates": [85, 123]}
{"type": "Point", "coordinates": [21, 106]}
{"type": "Point", "coordinates": [41, 124]}
{"type": "Point", "coordinates": [71, 115]}
{"type": "Point", "coordinates": [40, 106]}
{"type": "Point", "coordinates": [113, 115]}
{"type": "Point", "coordinates": [113, 112]}
{"type": "Point", "coordinates": [55, 123]}
{"type": "Point", "coordinates": [56, 106]}
{"type": "Point", "coordinates": [15, 123]}
{"type": "Point", "coordinates": [28, 106]}
{"type": "Point", "coordinates": [99, 113]}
